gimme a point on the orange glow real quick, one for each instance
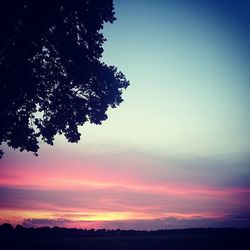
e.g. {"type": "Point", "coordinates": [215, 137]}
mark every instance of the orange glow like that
{"type": "Point", "coordinates": [106, 216]}
{"type": "Point", "coordinates": [76, 218]}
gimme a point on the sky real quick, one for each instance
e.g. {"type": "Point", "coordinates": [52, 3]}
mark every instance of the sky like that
{"type": "Point", "coordinates": [175, 153]}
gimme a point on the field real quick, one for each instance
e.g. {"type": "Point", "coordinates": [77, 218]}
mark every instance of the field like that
{"type": "Point", "coordinates": [179, 240]}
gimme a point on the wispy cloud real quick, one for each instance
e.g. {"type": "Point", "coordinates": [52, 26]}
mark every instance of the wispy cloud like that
{"type": "Point", "coordinates": [120, 187]}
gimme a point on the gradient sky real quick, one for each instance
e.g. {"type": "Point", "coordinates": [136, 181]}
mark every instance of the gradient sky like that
{"type": "Point", "coordinates": [175, 153]}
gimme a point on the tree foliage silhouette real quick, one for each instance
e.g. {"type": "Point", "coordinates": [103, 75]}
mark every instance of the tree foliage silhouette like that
{"type": "Point", "coordinates": [51, 77]}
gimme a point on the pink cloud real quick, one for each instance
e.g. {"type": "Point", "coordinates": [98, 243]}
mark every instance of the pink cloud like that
{"type": "Point", "coordinates": [90, 187]}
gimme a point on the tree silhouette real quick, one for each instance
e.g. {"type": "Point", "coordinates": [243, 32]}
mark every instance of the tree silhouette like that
{"type": "Point", "coordinates": [51, 77]}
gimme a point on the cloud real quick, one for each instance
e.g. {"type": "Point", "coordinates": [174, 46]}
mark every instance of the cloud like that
{"type": "Point", "coordinates": [135, 200]}
{"type": "Point", "coordinates": [176, 223]}
{"type": "Point", "coordinates": [60, 222]}
{"type": "Point", "coordinates": [237, 220]}
{"type": "Point", "coordinates": [145, 186]}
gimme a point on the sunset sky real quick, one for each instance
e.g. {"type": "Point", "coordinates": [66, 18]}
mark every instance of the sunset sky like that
{"type": "Point", "coordinates": [175, 153]}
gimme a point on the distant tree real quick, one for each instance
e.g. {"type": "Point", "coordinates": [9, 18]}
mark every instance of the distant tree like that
{"type": "Point", "coordinates": [51, 77]}
{"type": "Point", "coordinates": [6, 230]}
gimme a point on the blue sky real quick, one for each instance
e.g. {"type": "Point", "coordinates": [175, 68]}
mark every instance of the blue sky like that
{"type": "Point", "coordinates": [188, 68]}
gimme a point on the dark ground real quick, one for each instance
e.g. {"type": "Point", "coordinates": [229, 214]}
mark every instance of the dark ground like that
{"type": "Point", "coordinates": [59, 239]}
{"type": "Point", "coordinates": [129, 243]}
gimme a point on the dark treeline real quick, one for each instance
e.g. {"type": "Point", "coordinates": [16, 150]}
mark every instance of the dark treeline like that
{"type": "Point", "coordinates": [58, 238]}
{"type": "Point", "coordinates": [7, 230]}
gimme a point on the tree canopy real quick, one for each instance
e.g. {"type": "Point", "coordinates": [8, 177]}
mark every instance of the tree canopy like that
{"type": "Point", "coordinates": [52, 78]}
